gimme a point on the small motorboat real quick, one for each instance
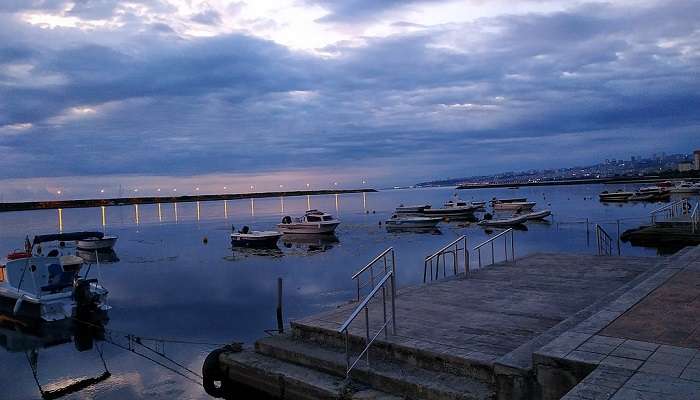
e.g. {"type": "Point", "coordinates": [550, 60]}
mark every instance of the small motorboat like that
{"type": "Point", "coordinates": [411, 210]}
{"type": "Point", "coordinates": [313, 221]}
{"type": "Point", "coordinates": [536, 215]}
{"type": "Point", "coordinates": [400, 222]}
{"type": "Point", "coordinates": [650, 193]}
{"type": "Point", "coordinates": [514, 220]}
{"type": "Point", "coordinates": [46, 283]}
{"type": "Point", "coordinates": [618, 196]}
{"type": "Point", "coordinates": [518, 206]}
{"type": "Point", "coordinates": [247, 238]}
{"type": "Point", "coordinates": [99, 241]}
{"type": "Point", "coordinates": [452, 208]}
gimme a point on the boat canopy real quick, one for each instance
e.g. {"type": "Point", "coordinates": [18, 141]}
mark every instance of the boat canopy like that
{"type": "Point", "coordinates": [66, 237]}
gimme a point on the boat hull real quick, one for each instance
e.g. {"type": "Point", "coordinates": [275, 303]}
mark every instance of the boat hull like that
{"type": "Point", "coordinates": [99, 244]}
{"type": "Point", "coordinates": [308, 228]}
{"type": "Point", "coordinates": [253, 241]}
{"type": "Point", "coordinates": [513, 206]}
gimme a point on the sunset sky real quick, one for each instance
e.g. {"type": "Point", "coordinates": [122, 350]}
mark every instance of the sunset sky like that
{"type": "Point", "coordinates": [178, 94]}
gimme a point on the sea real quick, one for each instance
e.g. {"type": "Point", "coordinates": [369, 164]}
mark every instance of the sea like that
{"type": "Point", "coordinates": [178, 289]}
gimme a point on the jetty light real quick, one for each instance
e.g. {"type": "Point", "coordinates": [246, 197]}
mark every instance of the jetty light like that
{"type": "Point", "coordinates": [158, 190]}
{"type": "Point", "coordinates": [58, 192]}
{"type": "Point", "coordinates": [102, 190]}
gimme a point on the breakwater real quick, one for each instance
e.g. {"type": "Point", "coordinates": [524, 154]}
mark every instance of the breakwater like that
{"type": "Point", "coordinates": [120, 201]}
{"type": "Point", "coordinates": [609, 181]}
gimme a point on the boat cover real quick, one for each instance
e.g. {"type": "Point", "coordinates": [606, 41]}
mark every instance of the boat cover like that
{"type": "Point", "coordinates": [66, 237]}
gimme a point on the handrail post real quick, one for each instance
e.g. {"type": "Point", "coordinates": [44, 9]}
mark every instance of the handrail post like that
{"type": "Point", "coordinates": [466, 258]}
{"type": "Point", "coordinates": [393, 303]}
{"type": "Point", "coordinates": [367, 329]}
{"type": "Point", "coordinates": [512, 244]}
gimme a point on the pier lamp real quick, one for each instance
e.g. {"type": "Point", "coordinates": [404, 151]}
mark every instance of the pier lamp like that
{"type": "Point", "coordinates": [58, 193]}
{"type": "Point", "coordinates": [158, 190]}
{"type": "Point", "coordinates": [175, 190]}
{"type": "Point", "coordinates": [335, 183]}
{"type": "Point", "coordinates": [252, 187]}
{"type": "Point", "coordinates": [102, 190]}
{"type": "Point", "coordinates": [308, 185]}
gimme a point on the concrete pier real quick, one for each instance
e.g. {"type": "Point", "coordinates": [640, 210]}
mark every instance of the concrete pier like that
{"type": "Point", "coordinates": [527, 329]}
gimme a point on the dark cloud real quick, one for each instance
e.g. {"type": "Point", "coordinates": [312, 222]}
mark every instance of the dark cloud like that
{"type": "Point", "coordinates": [591, 82]}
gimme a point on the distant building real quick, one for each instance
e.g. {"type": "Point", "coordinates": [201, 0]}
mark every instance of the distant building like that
{"type": "Point", "coordinates": [696, 155]}
{"type": "Point", "coordinates": [685, 166]}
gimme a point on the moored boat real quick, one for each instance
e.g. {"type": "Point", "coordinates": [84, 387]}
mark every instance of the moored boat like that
{"type": "Point", "coordinates": [247, 238]}
{"type": "Point", "coordinates": [686, 187]}
{"type": "Point", "coordinates": [509, 200]}
{"type": "Point", "coordinates": [312, 222]}
{"type": "Point", "coordinates": [514, 206]}
{"type": "Point", "coordinates": [514, 220]}
{"type": "Point", "coordinates": [535, 215]}
{"type": "Point", "coordinates": [411, 210]}
{"type": "Point", "coordinates": [99, 241]}
{"type": "Point", "coordinates": [617, 196]}
{"type": "Point", "coordinates": [46, 284]}
{"type": "Point", "coordinates": [411, 222]}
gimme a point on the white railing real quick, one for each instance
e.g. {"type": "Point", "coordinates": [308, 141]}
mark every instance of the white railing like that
{"type": "Point", "coordinates": [389, 278]}
{"type": "Point", "coordinates": [670, 210]}
{"type": "Point", "coordinates": [388, 259]}
{"type": "Point", "coordinates": [491, 241]}
{"type": "Point", "coordinates": [695, 218]}
{"type": "Point", "coordinates": [453, 249]}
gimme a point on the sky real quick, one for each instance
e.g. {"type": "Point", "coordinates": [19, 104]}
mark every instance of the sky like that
{"type": "Point", "coordinates": [179, 94]}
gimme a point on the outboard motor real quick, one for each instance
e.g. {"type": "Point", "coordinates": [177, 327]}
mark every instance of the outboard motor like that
{"type": "Point", "coordinates": [245, 229]}
{"type": "Point", "coordinates": [82, 294]}
{"type": "Point", "coordinates": [287, 220]}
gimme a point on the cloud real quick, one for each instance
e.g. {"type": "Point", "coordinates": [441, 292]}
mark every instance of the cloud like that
{"type": "Point", "coordinates": [507, 92]}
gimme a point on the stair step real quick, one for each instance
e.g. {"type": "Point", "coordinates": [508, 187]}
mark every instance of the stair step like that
{"type": "Point", "coordinates": [284, 380]}
{"type": "Point", "coordinates": [383, 374]}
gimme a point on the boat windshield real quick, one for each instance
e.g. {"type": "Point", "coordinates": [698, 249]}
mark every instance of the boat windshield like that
{"type": "Point", "coordinates": [328, 218]}
{"type": "Point", "coordinates": [2, 273]}
{"type": "Point", "coordinates": [313, 218]}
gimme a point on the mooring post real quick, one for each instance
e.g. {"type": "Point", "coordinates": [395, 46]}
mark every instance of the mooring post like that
{"type": "Point", "coordinates": [280, 322]}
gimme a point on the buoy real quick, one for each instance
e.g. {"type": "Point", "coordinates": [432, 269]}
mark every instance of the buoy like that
{"type": "Point", "coordinates": [380, 223]}
{"type": "Point", "coordinates": [205, 240]}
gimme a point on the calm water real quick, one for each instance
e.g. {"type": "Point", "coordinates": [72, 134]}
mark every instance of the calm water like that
{"type": "Point", "coordinates": [169, 284]}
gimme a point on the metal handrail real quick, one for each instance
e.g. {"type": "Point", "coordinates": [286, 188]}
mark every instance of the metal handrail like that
{"type": "Point", "coordinates": [695, 218]}
{"type": "Point", "coordinates": [451, 248]}
{"type": "Point", "coordinates": [678, 207]}
{"type": "Point", "coordinates": [604, 241]}
{"type": "Point", "coordinates": [370, 266]}
{"type": "Point", "coordinates": [364, 305]}
{"type": "Point", "coordinates": [505, 244]}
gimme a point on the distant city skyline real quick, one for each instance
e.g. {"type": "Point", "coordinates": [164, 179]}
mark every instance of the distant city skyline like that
{"type": "Point", "coordinates": [175, 93]}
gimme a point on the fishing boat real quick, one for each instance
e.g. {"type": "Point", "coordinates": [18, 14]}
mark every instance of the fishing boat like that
{"type": "Point", "coordinates": [313, 221]}
{"type": "Point", "coordinates": [618, 196]}
{"type": "Point", "coordinates": [247, 238]}
{"type": "Point", "coordinates": [411, 222]}
{"type": "Point", "coordinates": [511, 221]}
{"type": "Point", "coordinates": [411, 210]}
{"type": "Point", "coordinates": [518, 206]}
{"type": "Point", "coordinates": [99, 241]}
{"type": "Point", "coordinates": [48, 285]}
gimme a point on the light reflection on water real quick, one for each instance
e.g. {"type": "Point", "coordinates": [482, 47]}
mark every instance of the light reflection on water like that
{"type": "Point", "coordinates": [170, 282]}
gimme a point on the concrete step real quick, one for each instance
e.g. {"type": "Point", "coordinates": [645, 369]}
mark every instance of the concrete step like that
{"type": "Point", "coordinates": [384, 373]}
{"type": "Point", "coordinates": [288, 381]}
{"type": "Point", "coordinates": [401, 349]}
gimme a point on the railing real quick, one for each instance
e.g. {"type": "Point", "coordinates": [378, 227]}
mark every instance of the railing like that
{"type": "Point", "coordinates": [386, 256]}
{"type": "Point", "coordinates": [695, 218]}
{"type": "Point", "coordinates": [453, 249]}
{"type": "Point", "coordinates": [604, 241]}
{"type": "Point", "coordinates": [503, 234]}
{"type": "Point", "coordinates": [671, 210]}
{"type": "Point", "coordinates": [388, 278]}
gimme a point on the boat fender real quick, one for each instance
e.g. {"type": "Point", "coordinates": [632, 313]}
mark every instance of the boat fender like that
{"type": "Point", "coordinates": [18, 305]}
{"type": "Point", "coordinates": [213, 377]}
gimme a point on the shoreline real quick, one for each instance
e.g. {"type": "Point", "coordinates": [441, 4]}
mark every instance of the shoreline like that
{"type": "Point", "coordinates": [122, 201]}
{"type": "Point", "coordinates": [572, 182]}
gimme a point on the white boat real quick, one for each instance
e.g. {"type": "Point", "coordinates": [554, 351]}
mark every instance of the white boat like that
{"type": "Point", "coordinates": [509, 200]}
{"type": "Point", "coordinates": [514, 206]}
{"type": "Point", "coordinates": [514, 220]}
{"type": "Point", "coordinates": [98, 242]}
{"type": "Point", "coordinates": [247, 238]}
{"type": "Point", "coordinates": [617, 196]}
{"type": "Point", "coordinates": [46, 283]}
{"type": "Point", "coordinates": [411, 210]}
{"type": "Point", "coordinates": [650, 193]}
{"type": "Point", "coordinates": [451, 209]}
{"type": "Point", "coordinates": [412, 222]}
{"type": "Point", "coordinates": [313, 221]}
{"type": "Point", "coordinates": [686, 187]}
{"type": "Point", "coordinates": [535, 215]}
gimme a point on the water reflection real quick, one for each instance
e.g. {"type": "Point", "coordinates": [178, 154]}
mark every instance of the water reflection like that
{"type": "Point", "coordinates": [399, 230]}
{"type": "Point", "coordinates": [106, 256]}
{"type": "Point", "coordinates": [310, 242]}
{"type": "Point", "coordinates": [245, 252]}
{"type": "Point", "coordinates": [32, 337]}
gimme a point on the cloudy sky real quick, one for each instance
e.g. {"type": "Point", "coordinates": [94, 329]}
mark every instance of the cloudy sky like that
{"type": "Point", "coordinates": [146, 93]}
